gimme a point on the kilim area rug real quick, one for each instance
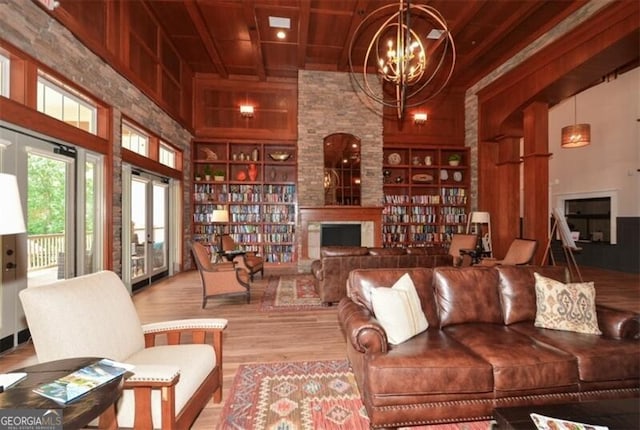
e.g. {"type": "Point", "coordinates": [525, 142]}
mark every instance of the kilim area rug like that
{"type": "Point", "coordinates": [306, 395]}
{"type": "Point", "coordinates": [291, 293]}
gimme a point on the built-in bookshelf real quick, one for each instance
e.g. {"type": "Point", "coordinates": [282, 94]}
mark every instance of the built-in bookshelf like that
{"type": "Point", "coordinates": [256, 184]}
{"type": "Point", "coordinates": [426, 194]}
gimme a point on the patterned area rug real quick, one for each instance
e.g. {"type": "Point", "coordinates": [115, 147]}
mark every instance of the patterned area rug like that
{"type": "Point", "coordinates": [306, 395]}
{"type": "Point", "coordinates": [290, 293]}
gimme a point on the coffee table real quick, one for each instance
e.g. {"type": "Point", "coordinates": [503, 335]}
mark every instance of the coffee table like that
{"type": "Point", "coordinates": [622, 414]}
{"type": "Point", "coordinates": [99, 402]}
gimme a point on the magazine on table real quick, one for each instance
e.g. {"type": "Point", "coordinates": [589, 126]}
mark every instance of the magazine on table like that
{"type": "Point", "coordinates": [547, 423]}
{"type": "Point", "coordinates": [83, 380]}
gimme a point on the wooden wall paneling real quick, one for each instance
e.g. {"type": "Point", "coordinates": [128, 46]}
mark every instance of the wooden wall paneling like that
{"type": "Point", "coordinates": [217, 109]}
{"type": "Point", "coordinates": [129, 38]}
{"type": "Point", "coordinates": [444, 126]}
{"type": "Point", "coordinates": [536, 176]}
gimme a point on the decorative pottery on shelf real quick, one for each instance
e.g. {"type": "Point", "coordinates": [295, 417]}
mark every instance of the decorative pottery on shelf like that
{"type": "Point", "coordinates": [241, 175]}
{"type": "Point", "coordinates": [252, 171]}
{"type": "Point", "coordinates": [279, 155]}
{"type": "Point", "coordinates": [422, 177]}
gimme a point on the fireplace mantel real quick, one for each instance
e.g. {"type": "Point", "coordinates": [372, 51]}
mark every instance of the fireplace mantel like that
{"type": "Point", "coordinates": [319, 214]}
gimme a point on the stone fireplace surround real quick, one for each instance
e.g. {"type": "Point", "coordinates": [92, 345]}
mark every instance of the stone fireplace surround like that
{"type": "Point", "coordinates": [327, 103]}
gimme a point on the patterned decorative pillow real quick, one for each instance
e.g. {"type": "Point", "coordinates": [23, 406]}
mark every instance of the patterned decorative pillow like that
{"type": "Point", "coordinates": [398, 310]}
{"type": "Point", "coordinates": [570, 307]}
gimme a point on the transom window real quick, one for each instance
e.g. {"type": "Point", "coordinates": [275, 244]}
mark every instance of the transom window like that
{"type": "Point", "coordinates": [167, 155]}
{"type": "Point", "coordinates": [134, 139]}
{"type": "Point", "coordinates": [65, 104]}
{"type": "Point", "coordinates": [4, 76]}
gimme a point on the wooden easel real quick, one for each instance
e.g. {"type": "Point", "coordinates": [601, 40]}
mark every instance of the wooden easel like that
{"type": "Point", "coordinates": [568, 245]}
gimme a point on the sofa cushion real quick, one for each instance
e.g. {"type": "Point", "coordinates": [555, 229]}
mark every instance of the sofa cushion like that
{"type": "Point", "coordinates": [599, 358]}
{"type": "Point", "coordinates": [429, 364]}
{"type": "Point", "coordinates": [519, 362]}
{"type": "Point", "coordinates": [362, 281]}
{"type": "Point", "coordinates": [337, 251]}
{"type": "Point", "coordinates": [566, 306]}
{"type": "Point", "coordinates": [195, 362]}
{"type": "Point", "coordinates": [387, 251]}
{"type": "Point", "coordinates": [467, 295]}
{"type": "Point", "coordinates": [518, 292]}
{"type": "Point", "coordinates": [398, 310]}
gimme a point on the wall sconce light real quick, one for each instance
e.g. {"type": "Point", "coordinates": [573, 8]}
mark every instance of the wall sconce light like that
{"type": "Point", "coordinates": [246, 111]}
{"type": "Point", "coordinates": [419, 118]}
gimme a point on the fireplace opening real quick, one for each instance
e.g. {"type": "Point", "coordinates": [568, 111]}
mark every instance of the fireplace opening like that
{"type": "Point", "coordinates": [340, 234]}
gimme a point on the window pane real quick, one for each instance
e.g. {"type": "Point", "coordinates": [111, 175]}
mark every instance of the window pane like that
{"type": "Point", "coordinates": [65, 105]}
{"type": "Point", "coordinates": [4, 76]}
{"type": "Point", "coordinates": [167, 156]}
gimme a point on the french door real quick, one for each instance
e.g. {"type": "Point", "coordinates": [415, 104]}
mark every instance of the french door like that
{"type": "Point", "coordinates": [60, 185]}
{"type": "Point", "coordinates": [147, 198]}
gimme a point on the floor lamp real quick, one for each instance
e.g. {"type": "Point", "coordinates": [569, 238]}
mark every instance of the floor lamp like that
{"type": "Point", "coordinates": [478, 219]}
{"type": "Point", "coordinates": [11, 218]}
{"type": "Point", "coordinates": [219, 216]}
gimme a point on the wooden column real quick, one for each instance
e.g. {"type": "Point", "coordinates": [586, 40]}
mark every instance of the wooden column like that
{"type": "Point", "coordinates": [499, 190]}
{"type": "Point", "coordinates": [536, 176]}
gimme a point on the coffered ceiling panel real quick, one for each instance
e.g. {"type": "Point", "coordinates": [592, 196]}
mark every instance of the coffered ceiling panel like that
{"type": "Point", "coordinates": [233, 38]}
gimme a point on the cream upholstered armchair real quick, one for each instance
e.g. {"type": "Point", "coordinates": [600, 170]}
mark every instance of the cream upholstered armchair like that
{"type": "Point", "coordinates": [221, 279]}
{"type": "Point", "coordinates": [94, 316]}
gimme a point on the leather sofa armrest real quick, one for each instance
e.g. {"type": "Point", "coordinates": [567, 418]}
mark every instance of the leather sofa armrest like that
{"type": "Point", "coordinates": [360, 328]}
{"type": "Point", "coordinates": [618, 324]}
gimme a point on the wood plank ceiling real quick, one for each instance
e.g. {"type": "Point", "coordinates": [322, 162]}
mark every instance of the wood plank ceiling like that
{"type": "Point", "coordinates": [233, 39]}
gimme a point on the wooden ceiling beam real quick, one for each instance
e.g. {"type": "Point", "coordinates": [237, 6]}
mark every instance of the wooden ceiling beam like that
{"type": "Point", "coordinates": [209, 43]}
{"type": "Point", "coordinates": [359, 10]}
{"type": "Point", "coordinates": [249, 10]}
{"type": "Point", "coordinates": [499, 32]}
{"type": "Point", "coordinates": [303, 33]}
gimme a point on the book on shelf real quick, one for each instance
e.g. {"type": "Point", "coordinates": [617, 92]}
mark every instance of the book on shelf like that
{"type": "Point", "coordinates": [83, 380]}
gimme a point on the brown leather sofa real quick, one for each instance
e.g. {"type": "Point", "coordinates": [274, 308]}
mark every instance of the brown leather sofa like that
{"type": "Point", "coordinates": [332, 270]}
{"type": "Point", "coordinates": [481, 350]}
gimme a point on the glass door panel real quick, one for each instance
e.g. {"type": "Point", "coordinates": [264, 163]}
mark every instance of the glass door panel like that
{"type": "Point", "coordinates": [159, 222]}
{"type": "Point", "coordinates": [49, 217]}
{"type": "Point", "coordinates": [139, 198]}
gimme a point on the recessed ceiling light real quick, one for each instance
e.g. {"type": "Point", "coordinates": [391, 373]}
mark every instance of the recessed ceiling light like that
{"type": "Point", "coordinates": [435, 34]}
{"type": "Point", "coordinates": [281, 35]}
{"type": "Point", "coordinates": [279, 22]}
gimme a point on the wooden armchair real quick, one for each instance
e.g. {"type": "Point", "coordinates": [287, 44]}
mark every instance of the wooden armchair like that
{"type": "Point", "coordinates": [249, 260]}
{"type": "Point", "coordinates": [220, 279]}
{"type": "Point", "coordinates": [521, 251]}
{"type": "Point", "coordinates": [94, 316]}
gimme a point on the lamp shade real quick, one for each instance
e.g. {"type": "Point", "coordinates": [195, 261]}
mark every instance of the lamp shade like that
{"type": "Point", "coordinates": [480, 217]}
{"type": "Point", "coordinates": [220, 215]}
{"type": "Point", "coordinates": [575, 136]}
{"type": "Point", "coordinates": [11, 219]}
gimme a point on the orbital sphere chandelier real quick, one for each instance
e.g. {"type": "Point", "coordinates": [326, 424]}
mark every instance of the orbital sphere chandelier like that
{"type": "Point", "coordinates": [412, 52]}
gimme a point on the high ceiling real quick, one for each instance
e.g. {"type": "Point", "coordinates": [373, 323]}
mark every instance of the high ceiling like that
{"type": "Point", "coordinates": [232, 38]}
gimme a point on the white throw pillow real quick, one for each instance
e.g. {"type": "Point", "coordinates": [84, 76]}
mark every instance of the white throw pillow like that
{"type": "Point", "coordinates": [398, 310]}
{"type": "Point", "coordinates": [569, 307]}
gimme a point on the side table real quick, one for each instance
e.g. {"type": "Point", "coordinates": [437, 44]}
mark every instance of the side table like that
{"type": "Point", "coordinates": [99, 402]}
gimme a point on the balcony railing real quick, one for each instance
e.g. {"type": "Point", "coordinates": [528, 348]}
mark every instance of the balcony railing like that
{"type": "Point", "coordinates": [44, 250]}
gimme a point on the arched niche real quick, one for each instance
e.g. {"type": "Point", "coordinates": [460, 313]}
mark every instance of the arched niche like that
{"type": "Point", "coordinates": [341, 169]}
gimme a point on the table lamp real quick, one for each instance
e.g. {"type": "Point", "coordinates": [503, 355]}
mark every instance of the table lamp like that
{"type": "Point", "coordinates": [11, 218]}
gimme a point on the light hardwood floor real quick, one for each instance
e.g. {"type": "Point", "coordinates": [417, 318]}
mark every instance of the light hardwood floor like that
{"type": "Point", "coordinates": [254, 336]}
